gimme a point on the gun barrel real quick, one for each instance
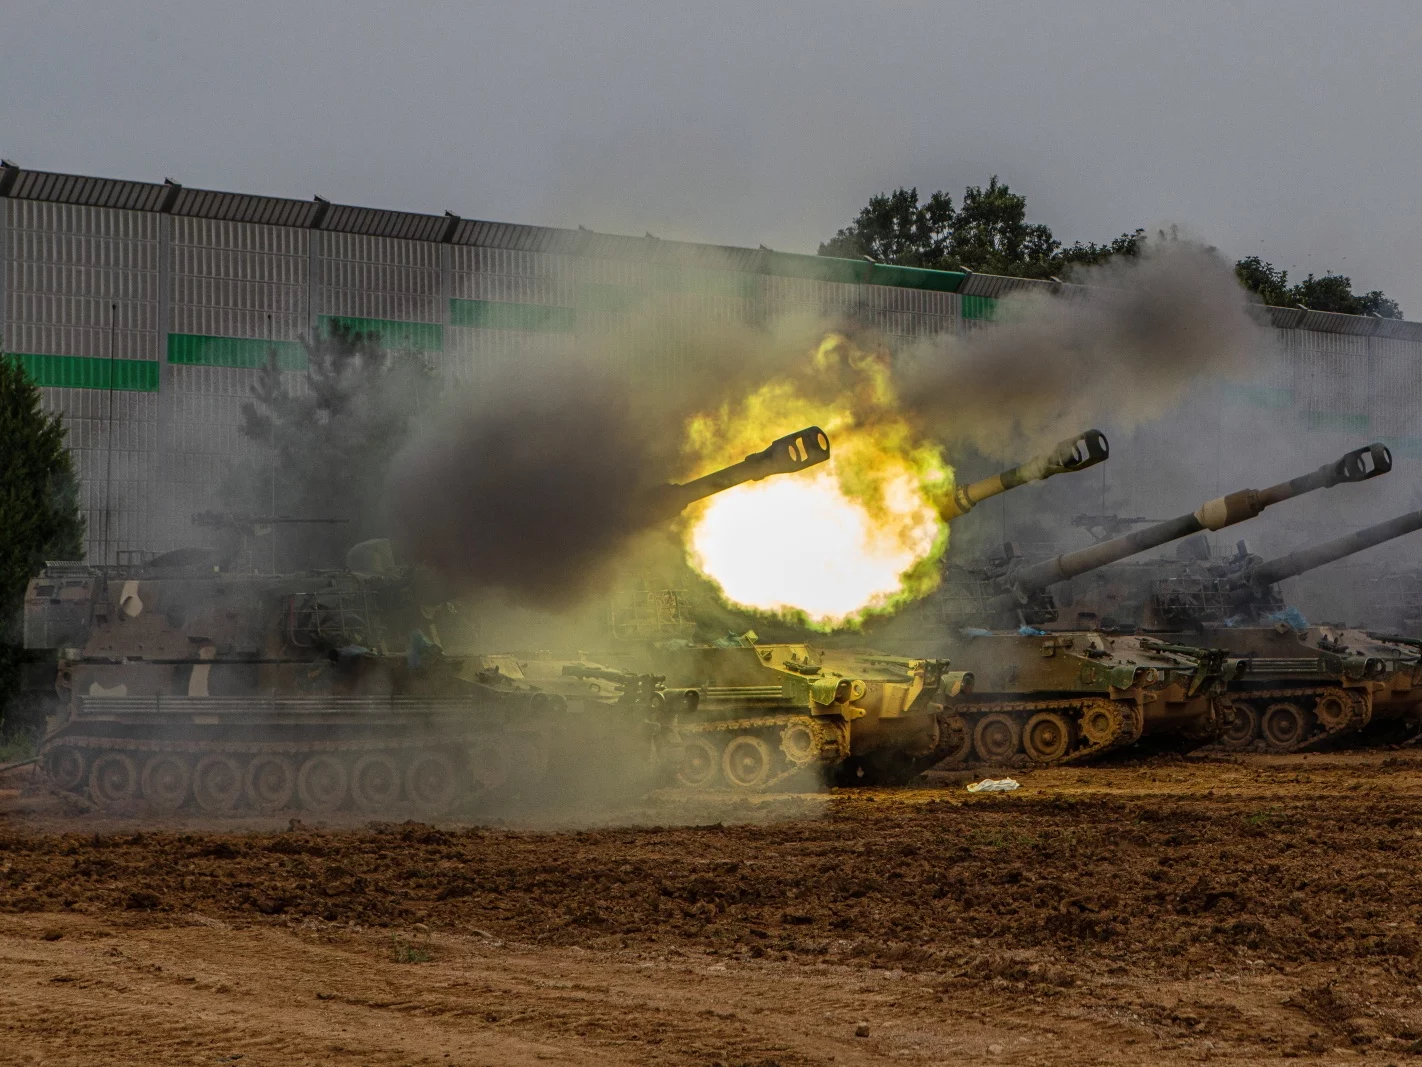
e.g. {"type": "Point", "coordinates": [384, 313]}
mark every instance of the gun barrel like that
{"type": "Point", "coordinates": [1074, 454]}
{"type": "Point", "coordinates": [1306, 559]}
{"type": "Point", "coordinates": [1356, 466]}
{"type": "Point", "coordinates": [785, 455]}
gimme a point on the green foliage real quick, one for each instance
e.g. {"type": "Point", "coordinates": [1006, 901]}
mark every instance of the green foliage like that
{"type": "Point", "coordinates": [1331, 292]}
{"type": "Point", "coordinates": [39, 517]}
{"type": "Point", "coordinates": [988, 233]}
{"type": "Point", "coordinates": [330, 440]}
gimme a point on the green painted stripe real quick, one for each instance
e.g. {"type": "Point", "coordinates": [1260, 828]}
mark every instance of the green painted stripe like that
{"type": "Point", "coordinates": [980, 307]}
{"type": "Point", "coordinates": [504, 315]}
{"type": "Point", "coordinates": [1332, 420]}
{"type": "Point", "coordinates": [819, 268]}
{"type": "Point", "coordinates": [393, 333]}
{"type": "Point", "coordinates": [942, 281]}
{"type": "Point", "coordinates": [198, 350]}
{"type": "Point", "coordinates": [86, 372]}
{"type": "Point", "coordinates": [1260, 396]}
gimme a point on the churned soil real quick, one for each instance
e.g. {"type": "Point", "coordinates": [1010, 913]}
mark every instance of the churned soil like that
{"type": "Point", "coordinates": [1243, 910]}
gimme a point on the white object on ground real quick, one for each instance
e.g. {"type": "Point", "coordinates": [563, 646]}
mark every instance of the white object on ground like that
{"type": "Point", "coordinates": [993, 785]}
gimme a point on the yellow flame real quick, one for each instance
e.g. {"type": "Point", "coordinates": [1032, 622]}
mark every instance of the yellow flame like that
{"type": "Point", "coordinates": [833, 544]}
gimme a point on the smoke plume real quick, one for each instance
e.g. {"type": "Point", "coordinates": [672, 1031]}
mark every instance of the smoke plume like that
{"type": "Point", "coordinates": [1123, 349]}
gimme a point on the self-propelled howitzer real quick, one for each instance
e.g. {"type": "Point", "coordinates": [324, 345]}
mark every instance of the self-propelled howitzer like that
{"type": "Point", "coordinates": [1025, 586]}
{"type": "Point", "coordinates": [183, 682]}
{"type": "Point", "coordinates": [1305, 685]}
{"type": "Point", "coordinates": [748, 713]}
{"type": "Point", "coordinates": [1070, 694]}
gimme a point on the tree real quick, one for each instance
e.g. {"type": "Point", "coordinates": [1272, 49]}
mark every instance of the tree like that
{"type": "Point", "coordinates": [1331, 292]}
{"type": "Point", "coordinates": [988, 233]}
{"type": "Point", "coordinates": [329, 441]}
{"type": "Point", "coordinates": [39, 520]}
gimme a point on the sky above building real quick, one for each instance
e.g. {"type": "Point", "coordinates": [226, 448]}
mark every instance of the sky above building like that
{"type": "Point", "coordinates": [1288, 129]}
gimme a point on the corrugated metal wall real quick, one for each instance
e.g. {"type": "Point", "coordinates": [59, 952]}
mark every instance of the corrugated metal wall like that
{"type": "Point", "coordinates": [188, 291]}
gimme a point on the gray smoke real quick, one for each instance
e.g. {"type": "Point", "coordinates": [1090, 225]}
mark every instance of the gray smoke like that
{"type": "Point", "coordinates": [1122, 348]}
{"type": "Point", "coordinates": [534, 481]}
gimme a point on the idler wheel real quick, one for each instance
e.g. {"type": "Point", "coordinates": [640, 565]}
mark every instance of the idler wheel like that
{"type": "Point", "coordinates": [217, 784]}
{"type": "Point", "coordinates": [1102, 722]}
{"type": "Point", "coordinates": [1047, 737]}
{"type": "Point", "coordinates": [432, 782]}
{"type": "Point", "coordinates": [67, 766]}
{"type": "Point", "coordinates": [747, 762]}
{"type": "Point", "coordinates": [996, 737]}
{"type": "Point", "coordinates": [700, 762]}
{"type": "Point", "coordinates": [321, 782]}
{"type": "Point", "coordinates": [375, 782]}
{"type": "Point", "coordinates": [165, 781]}
{"type": "Point", "coordinates": [1243, 726]}
{"type": "Point", "coordinates": [800, 743]}
{"type": "Point", "coordinates": [271, 782]}
{"type": "Point", "coordinates": [113, 780]}
{"type": "Point", "coordinates": [1284, 727]}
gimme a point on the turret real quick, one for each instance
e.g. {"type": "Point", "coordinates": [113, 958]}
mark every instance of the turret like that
{"type": "Point", "coordinates": [1249, 587]}
{"type": "Point", "coordinates": [1023, 582]}
{"type": "Point", "coordinates": [1074, 454]}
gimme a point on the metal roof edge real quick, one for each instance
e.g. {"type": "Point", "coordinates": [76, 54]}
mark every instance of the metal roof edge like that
{"type": "Point", "coordinates": [19, 183]}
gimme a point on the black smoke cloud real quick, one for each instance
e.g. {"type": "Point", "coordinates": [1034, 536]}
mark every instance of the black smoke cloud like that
{"type": "Point", "coordinates": [536, 481]}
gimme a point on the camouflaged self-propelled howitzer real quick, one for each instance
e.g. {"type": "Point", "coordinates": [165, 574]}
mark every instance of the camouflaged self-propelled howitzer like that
{"type": "Point", "coordinates": [748, 714]}
{"type": "Point", "coordinates": [1305, 685]}
{"type": "Point", "coordinates": [183, 683]}
{"type": "Point", "coordinates": [1068, 695]}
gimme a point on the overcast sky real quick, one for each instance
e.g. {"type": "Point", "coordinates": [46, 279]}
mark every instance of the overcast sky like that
{"type": "Point", "coordinates": [1288, 129]}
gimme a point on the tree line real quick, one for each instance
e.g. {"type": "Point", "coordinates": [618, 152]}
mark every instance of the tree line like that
{"type": "Point", "coordinates": [988, 232]}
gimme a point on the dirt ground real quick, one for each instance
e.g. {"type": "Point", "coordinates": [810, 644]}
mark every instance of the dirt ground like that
{"type": "Point", "coordinates": [1237, 910]}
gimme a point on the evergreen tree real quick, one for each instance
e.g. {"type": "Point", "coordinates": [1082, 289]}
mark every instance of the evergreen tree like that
{"type": "Point", "coordinates": [329, 438]}
{"type": "Point", "coordinates": [39, 520]}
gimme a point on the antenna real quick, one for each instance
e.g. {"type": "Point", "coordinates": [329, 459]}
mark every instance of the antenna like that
{"type": "Point", "coordinates": [109, 436]}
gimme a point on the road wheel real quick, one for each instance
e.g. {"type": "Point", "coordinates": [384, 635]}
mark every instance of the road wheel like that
{"type": "Point", "coordinates": [271, 782]}
{"type": "Point", "coordinates": [1284, 727]}
{"type": "Point", "coordinates": [67, 766]}
{"type": "Point", "coordinates": [375, 782]}
{"type": "Point", "coordinates": [432, 782]}
{"type": "Point", "coordinates": [113, 780]}
{"type": "Point", "coordinates": [1047, 737]}
{"type": "Point", "coordinates": [996, 737]}
{"type": "Point", "coordinates": [321, 782]}
{"type": "Point", "coordinates": [747, 762]}
{"type": "Point", "coordinates": [217, 783]}
{"type": "Point", "coordinates": [165, 781]}
{"type": "Point", "coordinates": [1243, 726]}
{"type": "Point", "coordinates": [700, 762]}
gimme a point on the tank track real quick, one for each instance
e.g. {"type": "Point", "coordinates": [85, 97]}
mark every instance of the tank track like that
{"type": "Point", "coordinates": [803, 742]}
{"type": "Point", "coordinates": [468, 765]}
{"type": "Point", "coordinates": [963, 721]}
{"type": "Point", "coordinates": [1351, 709]}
